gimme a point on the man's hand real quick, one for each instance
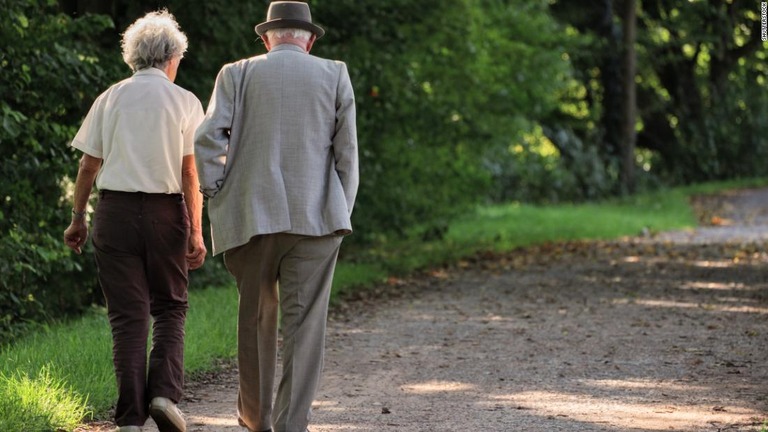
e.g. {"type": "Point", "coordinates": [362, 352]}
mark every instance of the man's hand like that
{"type": "Point", "coordinates": [76, 234]}
{"type": "Point", "coordinates": [196, 251]}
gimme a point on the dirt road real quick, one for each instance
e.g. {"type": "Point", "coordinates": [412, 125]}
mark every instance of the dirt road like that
{"type": "Point", "coordinates": [641, 334]}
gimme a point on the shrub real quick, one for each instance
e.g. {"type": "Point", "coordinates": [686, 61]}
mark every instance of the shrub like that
{"type": "Point", "coordinates": [47, 75]}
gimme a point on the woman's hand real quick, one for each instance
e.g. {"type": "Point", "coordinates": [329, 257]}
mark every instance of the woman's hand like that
{"type": "Point", "coordinates": [196, 250]}
{"type": "Point", "coordinates": [76, 234]}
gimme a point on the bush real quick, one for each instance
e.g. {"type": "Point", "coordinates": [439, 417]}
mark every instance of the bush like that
{"type": "Point", "coordinates": [439, 84]}
{"type": "Point", "coordinates": [536, 171]}
{"type": "Point", "coordinates": [47, 76]}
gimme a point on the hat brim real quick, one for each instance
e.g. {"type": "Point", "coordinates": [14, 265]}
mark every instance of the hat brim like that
{"type": "Point", "coordinates": [289, 23]}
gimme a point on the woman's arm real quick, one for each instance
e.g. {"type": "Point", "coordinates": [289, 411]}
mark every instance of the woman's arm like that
{"type": "Point", "coordinates": [76, 234]}
{"type": "Point", "coordinates": [191, 186]}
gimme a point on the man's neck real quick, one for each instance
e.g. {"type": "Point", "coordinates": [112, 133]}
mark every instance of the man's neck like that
{"type": "Point", "coordinates": [291, 41]}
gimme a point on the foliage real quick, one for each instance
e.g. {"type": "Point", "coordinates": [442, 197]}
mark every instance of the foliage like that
{"type": "Point", "coordinates": [706, 89]}
{"type": "Point", "coordinates": [51, 69]}
{"type": "Point", "coordinates": [48, 72]}
{"type": "Point", "coordinates": [459, 102]}
{"type": "Point", "coordinates": [701, 87]}
{"type": "Point", "coordinates": [440, 85]}
{"type": "Point", "coordinates": [219, 32]}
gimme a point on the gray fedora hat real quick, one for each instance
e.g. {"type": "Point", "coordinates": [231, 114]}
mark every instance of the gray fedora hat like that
{"type": "Point", "coordinates": [289, 14]}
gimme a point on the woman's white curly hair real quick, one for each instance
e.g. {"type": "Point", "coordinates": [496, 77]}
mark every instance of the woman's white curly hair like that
{"type": "Point", "coordinates": [153, 40]}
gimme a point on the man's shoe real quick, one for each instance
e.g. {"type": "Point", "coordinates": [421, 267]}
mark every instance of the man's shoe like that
{"type": "Point", "coordinates": [245, 428]}
{"type": "Point", "coordinates": [166, 415]}
{"type": "Point", "coordinates": [128, 429]}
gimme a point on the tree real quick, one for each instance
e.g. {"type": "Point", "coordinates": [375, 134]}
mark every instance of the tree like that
{"type": "Point", "coordinates": [629, 135]}
{"type": "Point", "coordinates": [702, 90]}
{"type": "Point", "coordinates": [48, 73]}
{"type": "Point", "coordinates": [589, 133]}
{"type": "Point", "coordinates": [698, 70]}
{"type": "Point", "coordinates": [444, 89]}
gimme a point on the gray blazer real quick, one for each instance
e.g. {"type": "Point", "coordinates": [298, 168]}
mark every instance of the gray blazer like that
{"type": "Point", "coordinates": [277, 150]}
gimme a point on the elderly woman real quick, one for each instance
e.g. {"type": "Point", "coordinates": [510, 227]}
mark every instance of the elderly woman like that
{"type": "Point", "coordinates": [137, 144]}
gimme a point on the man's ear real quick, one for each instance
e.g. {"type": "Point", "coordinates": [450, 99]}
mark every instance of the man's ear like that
{"type": "Point", "coordinates": [311, 41]}
{"type": "Point", "coordinates": [265, 39]}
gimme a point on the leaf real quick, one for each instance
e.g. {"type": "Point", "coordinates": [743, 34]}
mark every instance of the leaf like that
{"type": "Point", "coordinates": [22, 20]}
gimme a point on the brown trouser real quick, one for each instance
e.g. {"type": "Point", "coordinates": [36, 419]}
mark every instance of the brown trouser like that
{"type": "Point", "coordinates": [304, 267]}
{"type": "Point", "coordinates": [141, 242]}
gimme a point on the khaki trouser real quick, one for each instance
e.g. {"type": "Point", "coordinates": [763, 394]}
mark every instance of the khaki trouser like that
{"type": "Point", "coordinates": [140, 243]}
{"type": "Point", "coordinates": [304, 268]}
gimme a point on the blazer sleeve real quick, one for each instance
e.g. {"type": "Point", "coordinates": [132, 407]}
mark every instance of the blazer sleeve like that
{"type": "Point", "coordinates": [212, 136]}
{"type": "Point", "coordinates": [345, 138]}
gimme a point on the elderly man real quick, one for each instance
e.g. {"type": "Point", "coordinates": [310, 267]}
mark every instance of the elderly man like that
{"type": "Point", "coordinates": [138, 138]}
{"type": "Point", "coordinates": [277, 157]}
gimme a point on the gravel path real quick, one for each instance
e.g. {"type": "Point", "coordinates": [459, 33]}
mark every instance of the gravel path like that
{"type": "Point", "coordinates": [643, 334]}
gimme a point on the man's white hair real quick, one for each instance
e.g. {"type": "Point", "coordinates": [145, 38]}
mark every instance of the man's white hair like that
{"type": "Point", "coordinates": [153, 40]}
{"type": "Point", "coordinates": [280, 33]}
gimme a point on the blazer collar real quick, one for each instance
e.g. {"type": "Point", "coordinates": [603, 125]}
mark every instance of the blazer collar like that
{"type": "Point", "coordinates": [288, 47]}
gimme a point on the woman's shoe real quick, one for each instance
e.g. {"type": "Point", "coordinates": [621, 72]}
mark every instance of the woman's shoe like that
{"type": "Point", "coordinates": [166, 415]}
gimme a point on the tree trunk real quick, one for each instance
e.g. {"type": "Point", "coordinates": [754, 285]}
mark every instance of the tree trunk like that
{"type": "Point", "coordinates": [629, 104]}
{"type": "Point", "coordinates": [611, 81]}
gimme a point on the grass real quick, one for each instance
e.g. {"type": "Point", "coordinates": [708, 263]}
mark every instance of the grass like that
{"type": "Point", "coordinates": [211, 321]}
{"type": "Point", "coordinates": [515, 225]}
{"type": "Point", "coordinates": [509, 226]}
{"type": "Point", "coordinates": [59, 376]}
{"type": "Point", "coordinates": [35, 403]}
{"type": "Point", "coordinates": [77, 353]}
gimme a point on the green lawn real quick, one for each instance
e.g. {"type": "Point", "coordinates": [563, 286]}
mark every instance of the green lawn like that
{"type": "Point", "coordinates": [58, 377]}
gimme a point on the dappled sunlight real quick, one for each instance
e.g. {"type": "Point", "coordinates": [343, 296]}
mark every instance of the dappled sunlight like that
{"type": "Point", "coordinates": [688, 305]}
{"type": "Point", "coordinates": [713, 264]}
{"type": "Point", "coordinates": [642, 384]}
{"type": "Point", "coordinates": [716, 286]}
{"type": "Point", "coordinates": [324, 404]}
{"type": "Point", "coordinates": [493, 318]}
{"type": "Point", "coordinates": [737, 300]}
{"type": "Point", "coordinates": [339, 427]}
{"type": "Point", "coordinates": [702, 263]}
{"type": "Point", "coordinates": [329, 406]}
{"type": "Point", "coordinates": [631, 259]}
{"type": "Point", "coordinates": [437, 387]}
{"type": "Point", "coordinates": [227, 420]}
{"type": "Point", "coordinates": [636, 416]}
{"type": "Point", "coordinates": [359, 331]}
{"type": "Point", "coordinates": [711, 307]}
